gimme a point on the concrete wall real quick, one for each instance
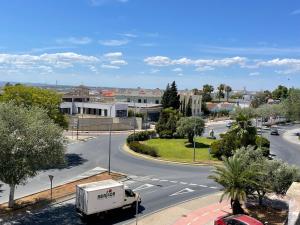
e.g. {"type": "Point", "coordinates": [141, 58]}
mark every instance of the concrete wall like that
{"type": "Point", "coordinates": [103, 124]}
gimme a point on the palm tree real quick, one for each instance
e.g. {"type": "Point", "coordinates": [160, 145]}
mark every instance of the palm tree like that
{"type": "Point", "coordinates": [220, 91]}
{"type": "Point", "coordinates": [235, 179]}
{"type": "Point", "coordinates": [228, 89]}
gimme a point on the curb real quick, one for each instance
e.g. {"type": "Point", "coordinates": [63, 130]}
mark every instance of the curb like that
{"type": "Point", "coordinates": [170, 206]}
{"type": "Point", "coordinates": [133, 153]}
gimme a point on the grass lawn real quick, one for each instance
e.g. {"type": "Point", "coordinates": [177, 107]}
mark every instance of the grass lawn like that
{"type": "Point", "coordinates": [181, 150]}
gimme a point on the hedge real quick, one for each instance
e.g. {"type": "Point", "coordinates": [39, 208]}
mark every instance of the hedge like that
{"type": "Point", "coordinates": [143, 149]}
{"type": "Point", "coordinates": [141, 136]}
{"type": "Point", "coordinates": [261, 141]}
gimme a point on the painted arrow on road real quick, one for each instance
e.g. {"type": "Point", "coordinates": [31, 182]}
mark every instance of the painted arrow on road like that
{"type": "Point", "coordinates": [183, 191]}
{"type": "Point", "coordinates": [144, 186]}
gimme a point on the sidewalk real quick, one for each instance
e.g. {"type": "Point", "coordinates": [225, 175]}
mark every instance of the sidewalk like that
{"type": "Point", "coordinates": [200, 211]}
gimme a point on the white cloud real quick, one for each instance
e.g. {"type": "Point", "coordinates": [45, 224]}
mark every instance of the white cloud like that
{"type": "Point", "coordinates": [45, 62]}
{"type": "Point", "coordinates": [158, 61]}
{"type": "Point", "coordinates": [105, 66]}
{"type": "Point", "coordinates": [75, 40]}
{"type": "Point", "coordinates": [252, 74]}
{"type": "Point", "coordinates": [113, 55]}
{"type": "Point", "coordinates": [289, 65]}
{"type": "Point", "coordinates": [149, 44]}
{"type": "Point", "coordinates": [120, 62]}
{"type": "Point", "coordinates": [295, 12]}
{"type": "Point", "coordinates": [129, 35]}
{"type": "Point", "coordinates": [104, 2]}
{"type": "Point", "coordinates": [154, 70]}
{"type": "Point", "coordinates": [201, 64]}
{"type": "Point", "coordinates": [93, 69]}
{"type": "Point", "coordinates": [113, 42]}
{"type": "Point", "coordinates": [178, 69]}
{"type": "Point", "coordinates": [204, 68]}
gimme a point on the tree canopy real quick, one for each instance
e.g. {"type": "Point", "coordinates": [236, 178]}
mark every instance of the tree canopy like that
{"type": "Point", "coordinates": [170, 97]}
{"type": "Point", "coordinates": [190, 126]}
{"type": "Point", "coordinates": [167, 123]}
{"type": "Point", "coordinates": [292, 104]}
{"type": "Point", "coordinates": [33, 96]}
{"type": "Point", "coordinates": [29, 141]}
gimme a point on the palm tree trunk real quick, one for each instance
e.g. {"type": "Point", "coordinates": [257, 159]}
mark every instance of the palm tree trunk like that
{"type": "Point", "coordinates": [11, 201]}
{"type": "Point", "coordinates": [237, 208]}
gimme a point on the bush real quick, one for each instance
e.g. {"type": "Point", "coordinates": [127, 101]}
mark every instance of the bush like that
{"type": "Point", "coordinates": [143, 149]}
{"type": "Point", "coordinates": [220, 148]}
{"type": "Point", "coordinates": [263, 142]}
{"type": "Point", "coordinates": [141, 136]}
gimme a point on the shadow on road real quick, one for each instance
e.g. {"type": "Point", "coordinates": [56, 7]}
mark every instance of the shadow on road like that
{"type": "Point", "coordinates": [71, 160]}
{"type": "Point", "coordinates": [66, 215]}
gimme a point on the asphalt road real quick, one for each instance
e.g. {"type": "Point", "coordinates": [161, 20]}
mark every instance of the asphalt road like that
{"type": "Point", "coordinates": [160, 185]}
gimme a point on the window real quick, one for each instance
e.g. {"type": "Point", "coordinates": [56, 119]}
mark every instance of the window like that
{"type": "Point", "coordinates": [128, 99]}
{"type": "Point", "coordinates": [105, 112]}
{"type": "Point", "coordinates": [156, 101]}
{"type": "Point", "coordinates": [121, 113]}
{"type": "Point", "coordinates": [78, 110]}
{"type": "Point", "coordinates": [139, 100]}
{"type": "Point", "coordinates": [145, 100]}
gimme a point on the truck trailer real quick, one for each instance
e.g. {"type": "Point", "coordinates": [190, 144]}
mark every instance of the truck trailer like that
{"type": "Point", "coordinates": [103, 196]}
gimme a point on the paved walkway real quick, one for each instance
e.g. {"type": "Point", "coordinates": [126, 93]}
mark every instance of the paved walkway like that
{"type": "Point", "coordinates": [200, 211]}
{"type": "Point", "coordinates": [290, 136]}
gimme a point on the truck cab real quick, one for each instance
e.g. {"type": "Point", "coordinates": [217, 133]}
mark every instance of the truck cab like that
{"type": "Point", "coordinates": [131, 198]}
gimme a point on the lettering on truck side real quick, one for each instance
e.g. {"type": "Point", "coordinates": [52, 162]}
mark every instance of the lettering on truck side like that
{"type": "Point", "coordinates": [109, 194]}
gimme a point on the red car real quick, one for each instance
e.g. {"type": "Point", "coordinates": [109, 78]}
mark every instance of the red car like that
{"type": "Point", "coordinates": [237, 220]}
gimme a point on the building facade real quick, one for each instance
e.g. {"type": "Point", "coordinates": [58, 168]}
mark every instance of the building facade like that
{"type": "Point", "coordinates": [195, 100]}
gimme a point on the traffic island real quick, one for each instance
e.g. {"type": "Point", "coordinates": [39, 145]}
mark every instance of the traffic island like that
{"type": "Point", "coordinates": [61, 193]}
{"type": "Point", "coordinates": [177, 151]}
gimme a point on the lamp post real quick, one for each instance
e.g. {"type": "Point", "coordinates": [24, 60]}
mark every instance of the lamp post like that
{"type": "Point", "coordinates": [51, 179]}
{"type": "Point", "coordinates": [137, 210]}
{"type": "Point", "coordinates": [109, 141]}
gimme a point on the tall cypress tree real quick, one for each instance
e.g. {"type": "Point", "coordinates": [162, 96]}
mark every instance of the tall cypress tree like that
{"type": "Point", "coordinates": [165, 98]}
{"type": "Point", "coordinates": [174, 101]}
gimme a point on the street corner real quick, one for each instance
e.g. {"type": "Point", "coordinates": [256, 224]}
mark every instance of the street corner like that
{"type": "Point", "coordinates": [205, 215]}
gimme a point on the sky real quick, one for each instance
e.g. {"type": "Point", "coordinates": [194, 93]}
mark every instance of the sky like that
{"type": "Point", "coordinates": [253, 44]}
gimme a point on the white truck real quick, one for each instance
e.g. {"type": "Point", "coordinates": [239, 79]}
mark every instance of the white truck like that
{"type": "Point", "coordinates": [102, 196]}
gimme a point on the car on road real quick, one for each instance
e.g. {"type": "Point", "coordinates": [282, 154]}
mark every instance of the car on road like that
{"type": "Point", "coordinates": [229, 124]}
{"type": "Point", "coordinates": [274, 131]}
{"type": "Point", "coordinates": [237, 220]}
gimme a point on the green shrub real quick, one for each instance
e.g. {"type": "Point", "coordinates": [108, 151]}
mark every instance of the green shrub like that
{"type": "Point", "coordinates": [263, 142]}
{"type": "Point", "coordinates": [216, 149]}
{"type": "Point", "coordinates": [141, 136]}
{"type": "Point", "coordinates": [143, 149]}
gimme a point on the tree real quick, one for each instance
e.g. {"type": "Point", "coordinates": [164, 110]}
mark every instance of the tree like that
{"type": "Point", "coordinates": [188, 110]}
{"type": "Point", "coordinates": [189, 127]}
{"type": "Point", "coordinates": [165, 97]}
{"type": "Point", "coordinates": [207, 90]}
{"type": "Point", "coordinates": [281, 92]}
{"type": "Point", "coordinates": [228, 89]}
{"type": "Point", "coordinates": [166, 125]}
{"type": "Point", "coordinates": [292, 105]}
{"type": "Point", "coordinates": [221, 89]}
{"type": "Point", "coordinates": [170, 97]}
{"type": "Point", "coordinates": [29, 141]}
{"type": "Point", "coordinates": [260, 98]}
{"type": "Point", "coordinates": [174, 96]}
{"type": "Point", "coordinates": [234, 178]}
{"type": "Point", "coordinates": [33, 96]}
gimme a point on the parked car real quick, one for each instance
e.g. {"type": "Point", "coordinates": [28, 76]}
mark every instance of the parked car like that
{"type": "Point", "coordinates": [237, 220]}
{"type": "Point", "coordinates": [274, 131]}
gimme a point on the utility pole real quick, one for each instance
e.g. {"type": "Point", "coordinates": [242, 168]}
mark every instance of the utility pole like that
{"type": "Point", "coordinates": [109, 141]}
{"type": "Point", "coordinates": [194, 157]}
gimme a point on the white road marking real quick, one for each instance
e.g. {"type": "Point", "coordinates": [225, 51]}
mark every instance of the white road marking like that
{"type": "Point", "coordinates": [174, 181]}
{"type": "Point", "coordinates": [163, 180]}
{"type": "Point", "coordinates": [214, 187]}
{"type": "Point", "coordinates": [193, 184]}
{"type": "Point", "coordinates": [202, 185]}
{"type": "Point", "coordinates": [144, 186]}
{"type": "Point", "coordinates": [154, 179]}
{"type": "Point", "coordinates": [183, 182]}
{"type": "Point", "coordinates": [183, 191]}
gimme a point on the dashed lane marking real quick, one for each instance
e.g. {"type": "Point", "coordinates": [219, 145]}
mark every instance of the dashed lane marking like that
{"type": "Point", "coordinates": [183, 191]}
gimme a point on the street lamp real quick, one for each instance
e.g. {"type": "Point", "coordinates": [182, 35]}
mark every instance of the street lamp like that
{"type": "Point", "coordinates": [109, 142]}
{"type": "Point", "coordinates": [51, 179]}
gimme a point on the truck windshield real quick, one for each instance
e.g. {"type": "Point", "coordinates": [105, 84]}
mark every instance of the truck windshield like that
{"type": "Point", "coordinates": [129, 193]}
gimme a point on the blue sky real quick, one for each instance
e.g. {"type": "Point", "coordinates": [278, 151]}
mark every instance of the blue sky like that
{"type": "Point", "coordinates": [148, 43]}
